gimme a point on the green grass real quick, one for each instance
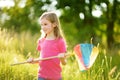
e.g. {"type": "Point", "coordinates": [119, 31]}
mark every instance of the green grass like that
{"type": "Point", "coordinates": [16, 47]}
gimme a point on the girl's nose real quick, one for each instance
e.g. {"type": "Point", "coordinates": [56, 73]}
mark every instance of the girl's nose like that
{"type": "Point", "coordinates": [42, 27]}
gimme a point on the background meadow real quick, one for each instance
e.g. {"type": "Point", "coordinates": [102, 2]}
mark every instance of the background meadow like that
{"type": "Point", "coordinates": [18, 47]}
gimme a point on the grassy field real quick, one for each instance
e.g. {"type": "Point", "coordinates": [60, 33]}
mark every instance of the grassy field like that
{"type": "Point", "coordinates": [18, 47]}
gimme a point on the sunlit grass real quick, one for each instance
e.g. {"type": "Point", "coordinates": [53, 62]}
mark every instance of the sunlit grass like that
{"type": "Point", "coordinates": [16, 47]}
{"type": "Point", "coordinates": [18, 72]}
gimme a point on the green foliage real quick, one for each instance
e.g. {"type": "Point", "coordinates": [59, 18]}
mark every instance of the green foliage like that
{"type": "Point", "coordinates": [81, 35]}
{"type": "Point", "coordinates": [110, 14]}
{"type": "Point", "coordinates": [21, 19]}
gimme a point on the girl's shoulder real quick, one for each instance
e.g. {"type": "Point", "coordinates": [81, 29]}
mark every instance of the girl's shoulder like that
{"type": "Point", "coordinates": [61, 40]}
{"type": "Point", "coordinates": [41, 40]}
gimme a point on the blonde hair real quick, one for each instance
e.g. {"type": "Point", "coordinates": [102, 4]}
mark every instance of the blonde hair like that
{"type": "Point", "coordinates": [52, 17]}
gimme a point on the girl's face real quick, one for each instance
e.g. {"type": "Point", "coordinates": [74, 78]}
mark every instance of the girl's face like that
{"type": "Point", "coordinates": [47, 26]}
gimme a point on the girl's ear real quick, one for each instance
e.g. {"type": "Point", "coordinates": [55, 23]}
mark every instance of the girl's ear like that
{"type": "Point", "coordinates": [54, 25]}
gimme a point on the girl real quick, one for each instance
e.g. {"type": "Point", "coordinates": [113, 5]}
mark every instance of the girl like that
{"type": "Point", "coordinates": [51, 44]}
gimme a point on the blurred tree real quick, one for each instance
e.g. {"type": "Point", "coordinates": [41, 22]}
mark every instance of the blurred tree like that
{"type": "Point", "coordinates": [72, 9]}
{"type": "Point", "coordinates": [77, 12]}
{"type": "Point", "coordinates": [112, 15]}
{"type": "Point", "coordinates": [80, 13]}
{"type": "Point", "coordinates": [23, 18]}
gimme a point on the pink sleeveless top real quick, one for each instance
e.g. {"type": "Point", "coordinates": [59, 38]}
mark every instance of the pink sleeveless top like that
{"type": "Point", "coordinates": [50, 69]}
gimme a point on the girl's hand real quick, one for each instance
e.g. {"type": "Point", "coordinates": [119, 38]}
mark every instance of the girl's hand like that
{"type": "Point", "coordinates": [30, 60]}
{"type": "Point", "coordinates": [61, 55]}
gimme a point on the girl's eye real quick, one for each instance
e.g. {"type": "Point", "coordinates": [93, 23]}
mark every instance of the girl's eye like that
{"type": "Point", "coordinates": [45, 24]}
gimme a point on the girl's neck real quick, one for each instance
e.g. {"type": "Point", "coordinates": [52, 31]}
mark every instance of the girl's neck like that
{"type": "Point", "coordinates": [50, 36]}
